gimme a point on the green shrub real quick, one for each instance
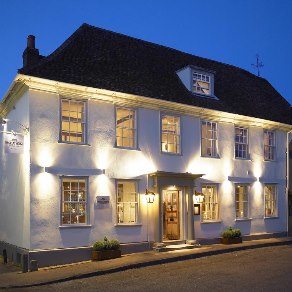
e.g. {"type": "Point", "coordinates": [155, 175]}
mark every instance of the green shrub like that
{"type": "Point", "coordinates": [231, 233]}
{"type": "Point", "coordinates": [106, 244]}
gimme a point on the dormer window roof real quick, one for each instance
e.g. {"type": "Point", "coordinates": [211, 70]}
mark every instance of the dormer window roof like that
{"type": "Point", "coordinates": [197, 80]}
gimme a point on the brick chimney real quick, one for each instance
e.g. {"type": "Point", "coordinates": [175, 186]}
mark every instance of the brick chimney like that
{"type": "Point", "coordinates": [30, 55]}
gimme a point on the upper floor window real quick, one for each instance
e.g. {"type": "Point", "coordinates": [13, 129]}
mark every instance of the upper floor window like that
{"type": "Point", "coordinates": [73, 121]}
{"type": "Point", "coordinates": [241, 201]}
{"type": "Point", "coordinates": [201, 83]}
{"type": "Point", "coordinates": [210, 205]}
{"type": "Point", "coordinates": [74, 200]}
{"type": "Point", "coordinates": [270, 200]}
{"type": "Point", "coordinates": [125, 128]}
{"type": "Point", "coordinates": [269, 145]}
{"type": "Point", "coordinates": [127, 202]}
{"type": "Point", "coordinates": [170, 134]}
{"type": "Point", "coordinates": [241, 142]}
{"type": "Point", "coordinates": [209, 139]}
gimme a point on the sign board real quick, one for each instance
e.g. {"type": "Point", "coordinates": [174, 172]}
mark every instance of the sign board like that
{"type": "Point", "coordinates": [13, 143]}
{"type": "Point", "coordinates": [102, 202]}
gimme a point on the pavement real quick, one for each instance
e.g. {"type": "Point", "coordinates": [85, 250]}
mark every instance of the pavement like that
{"type": "Point", "coordinates": [12, 277]}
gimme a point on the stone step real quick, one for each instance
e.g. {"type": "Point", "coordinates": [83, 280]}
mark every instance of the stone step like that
{"type": "Point", "coordinates": [172, 247]}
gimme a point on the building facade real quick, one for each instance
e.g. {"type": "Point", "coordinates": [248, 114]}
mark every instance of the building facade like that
{"type": "Point", "coordinates": [92, 151]}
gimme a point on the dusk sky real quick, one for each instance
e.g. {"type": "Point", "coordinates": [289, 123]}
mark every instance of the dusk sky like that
{"type": "Point", "coordinates": [231, 32]}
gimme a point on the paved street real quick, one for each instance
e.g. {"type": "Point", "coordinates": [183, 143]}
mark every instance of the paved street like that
{"type": "Point", "coordinates": [263, 269]}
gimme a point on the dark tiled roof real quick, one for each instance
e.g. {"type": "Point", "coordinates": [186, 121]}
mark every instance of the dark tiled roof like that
{"type": "Point", "coordinates": [103, 59]}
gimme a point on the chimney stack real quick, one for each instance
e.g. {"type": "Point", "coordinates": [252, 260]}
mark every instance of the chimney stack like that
{"type": "Point", "coordinates": [30, 55]}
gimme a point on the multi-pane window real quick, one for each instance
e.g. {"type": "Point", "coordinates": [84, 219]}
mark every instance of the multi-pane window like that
{"type": "Point", "coordinates": [210, 206]}
{"type": "Point", "coordinates": [209, 139]}
{"type": "Point", "coordinates": [241, 142]}
{"type": "Point", "coordinates": [125, 128]}
{"type": "Point", "coordinates": [74, 201]}
{"type": "Point", "coordinates": [201, 83]}
{"type": "Point", "coordinates": [269, 145]}
{"type": "Point", "coordinates": [270, 200]}
{"type": "Point", "coordinates": [127, 202]}
{"type": "Point", "coordinates": [170, 134]}
{"type": "Point", "coordinates": [241, 201]}
{"type": "Point", "coordinates": [73, 121]}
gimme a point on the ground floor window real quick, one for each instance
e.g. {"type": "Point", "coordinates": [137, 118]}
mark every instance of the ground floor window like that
{"type": "Point", "coordinates": [270, 200]}
{"type": "Point", "coordinates": [210, 206]}
{"type": "Point", "coordinates": [241, 201]}
{"type": "Point", "coordinates": [74, 200]}
{"type": "Point", "coordinates": [127, 202]}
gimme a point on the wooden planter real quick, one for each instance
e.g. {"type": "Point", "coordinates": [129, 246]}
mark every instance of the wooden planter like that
{"type": "Point", "coordinates": [232, 240]}
{"type": "Point", "coordinates": [105, 254]}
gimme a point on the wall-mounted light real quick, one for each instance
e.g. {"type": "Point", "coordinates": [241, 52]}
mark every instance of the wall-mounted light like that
{"type": "Point", "coordinates": [2, 121]}
{"type": "Point", "coordinates": [199, 197]}
{"type": "Point", "coordinates": [149, 196]}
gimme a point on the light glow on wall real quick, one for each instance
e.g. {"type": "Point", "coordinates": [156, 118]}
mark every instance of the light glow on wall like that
{"type": "Point", "coordinates": [45, 185]}
{"type": "Point", "coordinates": [103, 160]}
{"type": "Point", "coordinates": [44, 156]}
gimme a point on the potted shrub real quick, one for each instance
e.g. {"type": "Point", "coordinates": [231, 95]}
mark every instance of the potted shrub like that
{"type": "Point", "coordinates": [231, 236]}
{"type": "Point", "coordinates": [106, 249]}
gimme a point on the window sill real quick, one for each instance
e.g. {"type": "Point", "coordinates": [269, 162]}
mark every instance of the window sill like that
{"type": "Point", "coordinates": [127, 148]}
{"type": "Point", "coordinates": [72, 143]}
{"type": "Point", "coordinates": [242, 159]}
{"type": "Point", "coordinates": [271, 217]}
{"type": "Point", "coordinates": [211, 222]}
{"type": "Point", "coordinates": [213, 157]}
{"type": "Point", "coordinates": [127, 224]}
{"type": "Point", "coordinates": [171, 153]}
{"type": "Point", "coordinates": [243, 219]}
{"type": "Point", "coordinates": [75, 226]}
{"type": "Point", "coordinates": [267, 160]}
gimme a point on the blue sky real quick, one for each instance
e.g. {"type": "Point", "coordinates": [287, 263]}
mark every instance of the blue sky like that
{"type": "Point", "coordinates": [229, 31]}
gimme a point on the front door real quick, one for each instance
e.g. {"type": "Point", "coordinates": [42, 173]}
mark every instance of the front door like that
{"type": "Point", "coordinates": [171, 215]}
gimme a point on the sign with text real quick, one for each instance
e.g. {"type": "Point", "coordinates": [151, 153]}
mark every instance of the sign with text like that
{"type": "Point", "coordinates": [13, 143]}
{"type": "Point", "coordinates": [102, 202]}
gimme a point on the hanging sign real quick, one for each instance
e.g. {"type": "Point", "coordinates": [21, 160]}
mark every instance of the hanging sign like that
{"type": "Point", "coordinates": [13, 143]}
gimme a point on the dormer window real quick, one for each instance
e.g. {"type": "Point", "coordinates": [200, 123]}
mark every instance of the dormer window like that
{"type": "Point", "coordinates": [198, 81]}
{"type": "Point", "coordinates": [201, 83]}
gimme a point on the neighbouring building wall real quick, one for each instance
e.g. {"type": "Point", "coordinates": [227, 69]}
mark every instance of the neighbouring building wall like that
{"type": "Point", "coordinates": [14, 182]}
{"type": "Point", "coordinates": [65, 159]}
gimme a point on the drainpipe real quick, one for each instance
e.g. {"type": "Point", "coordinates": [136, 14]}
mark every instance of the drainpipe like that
{"type": "Point", "coordinates": [287, 178]}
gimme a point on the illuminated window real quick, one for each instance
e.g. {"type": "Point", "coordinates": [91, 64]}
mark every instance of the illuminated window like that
{"type": "Point", "coordinates": [74, 201]}
{"type": "Point", "coordinates": [125, 128]}
{"type": "Point", "coordinates": [270, 200]}
{"type": "Point", "coordinates": [241, 200]}
{"type": "Point", "coordinates": [170, 134]}
{"type": "Point", "coordinates": [73, 121]}
{"type": "Point", "coordinates": [209, 139]}
{"type": "Point", "coordinates": [269, 145]}
{"type": "Point", "coordinates": [241, 143]}
{"type": "Point", "coordinates": [201, 83]}
{"type": "Point", "coordinates": [210, 206]}
{"type": "Point", "coordinates": [127, 202]}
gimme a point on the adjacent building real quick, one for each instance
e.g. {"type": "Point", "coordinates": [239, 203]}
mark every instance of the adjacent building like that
{"type": "Point", "coordinates": [105, 119]}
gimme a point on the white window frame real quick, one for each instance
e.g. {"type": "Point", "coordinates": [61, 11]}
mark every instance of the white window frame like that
{"type": "Point", "coordinates": [244, 203]}
{"type": "Point", "coordinates": [211, 151]}
{"type": "Point", "coordinates": [242, 145]}
{"type": "Point", "coordinates": [85, 203]}
{"type": "Point", "coordinates": [270, 148]}
{"type": "Point", "coordinates": [204, 78]}
{"type": "Point", "coordinates": [175, 136]}
{"type": "Point", "coordinates": [134, 129]}
{"type": "Point", "coordinates": [210, 205]}
{"type": "Point", "coordinates": [136, 203]}
{"type": "Point", "coordinates": [82, 121]}
{"type": "Point", "coordinates": [271, 205]}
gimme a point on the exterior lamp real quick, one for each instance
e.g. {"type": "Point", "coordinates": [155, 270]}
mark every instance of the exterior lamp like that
{"type": "Point", "coordinates": [149, 196]}
{"type": "Point", "coordinates": [199, 197]}
{"type": "Point", "coordinates": [2, 121]}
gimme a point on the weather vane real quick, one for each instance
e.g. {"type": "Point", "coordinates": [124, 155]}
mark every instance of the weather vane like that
{"type": "Point", "coordinates": [258, 64]}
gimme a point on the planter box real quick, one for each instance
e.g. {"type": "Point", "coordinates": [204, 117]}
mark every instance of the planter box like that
{"type": "Point", "coordinates": [105, 255]}
{"type": "Point", "coordinates": [232, 240]}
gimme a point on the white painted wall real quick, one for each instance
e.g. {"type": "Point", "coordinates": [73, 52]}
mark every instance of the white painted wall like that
{"type": "Point", "coordinates": [14, 182]}
{"type": "Point", "coordinates": [120, 163]}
